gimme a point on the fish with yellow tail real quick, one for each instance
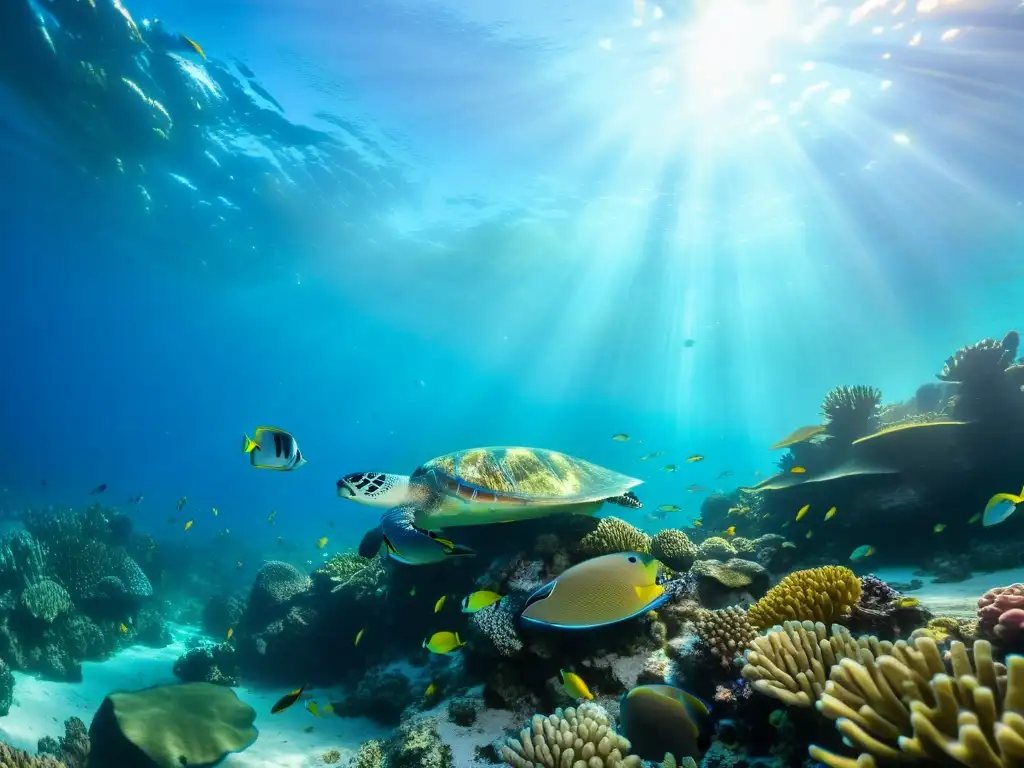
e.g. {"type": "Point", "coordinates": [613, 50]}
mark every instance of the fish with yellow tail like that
{"type": "Point", "coordinates": [443, 643]}
{"type": "Point", "coordinates": [1000, 507]}
{"type": "Point", "coordinates": [431, 691]}
{"type": "Point", "coordinates": [287, 700]}
{"type": "Point", "coordinates": [189, 524]}
{"type": "Point", "coordinates": [574, 686]}
{"type": "Point", "coordinates": [479, 600]}
{"type": "Point", "coordinates": [861, 552]}
{"type": "Point", "coordinates": [273, 448]}
{"type": "Point", "coordinates": [312, 708]}
{"type": "Point", "coordinates": [231, 633]}
{"type": "Point", "coordinates": [597, 592]}
{"type": "Point", "coordinates": [321, 542]}
{"type": "Point", "coordinates": [830, 514]}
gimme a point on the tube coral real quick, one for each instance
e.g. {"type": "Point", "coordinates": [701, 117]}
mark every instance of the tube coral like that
{"type": "Point", "coordinates": [583, 736]}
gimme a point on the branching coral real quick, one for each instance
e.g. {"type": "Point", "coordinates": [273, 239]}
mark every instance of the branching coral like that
{"type": "Point", "coordinates": [819, 594]}
{"type": "Point", "coordinates": [904, 707]}
{"type": "Point", "coordinates": [73, 747]}
{"type": "Point", "coordinates": [615, 535]}
{"type": "Point", "coordinates": [726, 633]}
{"type": "Point", "coordinates": [569, 738]}
{"type": "Point", "coordinates": [349, 570]}
{"type": "Point", "coordinates": [15, 758]}
{"type": "Point", "coordinates": [46, 600]}
{"type": "Point", "coordinates": [851, 412]}
{"type": "Point", "coordinates": [977, 362]}
{"type": "Point", "coordinates": [674, 548]}
{"type": "Point", "coordinates": [792, 662]}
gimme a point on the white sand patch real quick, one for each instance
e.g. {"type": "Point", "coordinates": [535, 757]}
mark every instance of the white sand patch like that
{"type": "Point", "coordinates": [490, 725]}
{"type": "Point", "coordinates": [959, 599]}
{"type": "Point", "coordinates": [40, 708]}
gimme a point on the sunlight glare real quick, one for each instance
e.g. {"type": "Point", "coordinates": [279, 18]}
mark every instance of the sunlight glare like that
{"type": "Point", "coordinates": [732, 44]}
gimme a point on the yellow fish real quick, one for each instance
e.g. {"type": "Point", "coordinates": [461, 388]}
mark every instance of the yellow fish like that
{"type": "Point", "coordinates": [974, 518]}
{"type": "Point", "coordinates": [830, 514]}
{"type": "Point", "coordinates": [326, 709]}
{"type": "Point", "coordinates": [908, 602]}
{"type": "Point", "coordinates": [431, 690]}
{"type": "Point", "coordinates": [231, 631]}
{"type": "Point", "coordinates": [573, 685]}
{"type": "Point", "coordinates": [443, 642]}
{"type": "Point", "coordinates": [730, 531]}
{"type": "Point", "coordinates": [939, 528]}
{"type": "Point", "coordinates": [440, 603]}
{"type": "Point", "coordinates": [359, 636]}
{"type": "Point", "coordinates": [697, 523]}
{"type": "Point", "coordinates": [788, 545]}
{"type": "Point", "coordinates": [670, 467]}
{"type": "Point", "coordinates": [195, 47]}
{"type": "Point", "coordinates": [479, 600]}
{"type": "Point", "coordinates": [798, 470]}
{"type": "Point", "coordinates": [124, 630]}
{"type": "Point", "coordinates": [311, 708]}
{"type": "Point", "coordinates": [694, 459]}
{"type": "Point", "coordinates": [1000, 507]}
{"type": "Point", "coordinates": [321, 542]}
{"type": "Point", "coordinates": [802, 512]}
{"type": "Point", "coordinates": [181, 503]}
{"type": "Point", "coordinates": [810, 534]}
{"type": "Point", "coordinates": [189, 524]}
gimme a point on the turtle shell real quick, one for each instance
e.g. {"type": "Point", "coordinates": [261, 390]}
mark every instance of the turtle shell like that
{"type": "Point", "coordinates": [521, 476]}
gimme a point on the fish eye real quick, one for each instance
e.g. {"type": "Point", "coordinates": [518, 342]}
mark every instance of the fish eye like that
{"type": "Point", "coordinates": [632, 558]}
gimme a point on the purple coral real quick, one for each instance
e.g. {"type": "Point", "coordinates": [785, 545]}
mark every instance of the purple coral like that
{"type": "Point", "coordinates": [1001, 612]}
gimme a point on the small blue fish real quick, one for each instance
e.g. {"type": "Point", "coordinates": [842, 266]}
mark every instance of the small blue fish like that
{"type": "Point", "coordinates": [865, 550]}
{"type": "Point", "coordinates": [1000, 507]}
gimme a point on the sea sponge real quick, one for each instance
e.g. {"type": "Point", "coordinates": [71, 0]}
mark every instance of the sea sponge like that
{"type": "Point", "coordinates": [715, 548]}
{"type": "Point", "coordinates": [615, 535]}
{"type": "Point", "coordinates": [171, 725]}
{"type": "Point", "coordinates": [46, 600]}
{"type": "Point", "coordinates": [851, 412]}
{"type": "Point", "coordinates": [818, 594]}
{"type": "Point", "coordinates": [726, 633]}
{"type": "Point", "coordinates": [584, 735]}
{"type": "Point", "coordinates": [674, 548]}
{"type": "Point", "coordinates": [792, 662]}
{"type": "Point", "coordinates": [904, 707]}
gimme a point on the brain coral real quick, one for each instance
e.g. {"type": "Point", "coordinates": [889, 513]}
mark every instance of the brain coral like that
{"type": "Point", "coordinates": [1001, 612]}
{"type": "Point", "coordinates": [715, 548]}
{"type": "Point", "coordinates": [46, 600]}
{"type": "Point", "coordinates": [818, 594]}
{"type": "Point", "coordinates": [615, 535]}
{"type": "Point", "coordinates": [674, 549]}
{"type": "Point", "coordinates": [276, 583]}
{"type": "Point", "coordinates": [571, 737]}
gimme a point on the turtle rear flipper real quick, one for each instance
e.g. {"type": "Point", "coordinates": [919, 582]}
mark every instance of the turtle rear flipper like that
{"type": "Point", "coordinates": [414, 546]}
{"type": "Point", "coordinates": [627, 499]}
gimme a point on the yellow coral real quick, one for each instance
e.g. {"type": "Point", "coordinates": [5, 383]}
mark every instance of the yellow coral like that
{"type": "Point", "coordinates": [904, 707]}
{"type": "Point", "coordinates": [715, 548]}
{"type": "Point", "coordinates": [674, 548]}
{"type": "Point", "coordinates": [819, 594]}
{"type": "Point", "coordinates": [792, 663]}
{"type": "Point", "coordinates": [615, 535]}
{"type": "Point", "coordinates": [726, 633]}
{"type": "Point", "coordinates": [574, 736]}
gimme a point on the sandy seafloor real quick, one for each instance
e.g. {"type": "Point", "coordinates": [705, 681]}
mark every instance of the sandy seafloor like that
{"type": "Point", "coordinates": [40, 707]}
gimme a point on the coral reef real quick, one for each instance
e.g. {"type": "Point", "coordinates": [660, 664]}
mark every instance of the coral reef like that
{"type": "Point", "coordinates": [364, 577]}
{"type": "Point", "coordinates": [586, 732]}
{"type": "Point", "coordinates": [72, 750]}
{"type": "Point", "coordinates": [851, 412]}
{"type": "Point", "coordinates": [1001, 615]}
{"type": "Point", "coordinates": [208, 664]}
{"type": "Point", "coordinates": [905, 706]}
{"type": "Point", "coordinates": [673, 548]}
{"type": "Point", "coordinates": [818, 594]}
{"type": "Point", "coordinates": [382, 695]}
{"type": "Point", "coordinates": [16, 758]}
{"type": "Point", "coordinates": [715, 548]}
{"type": "Point", "coordinates": [46, 600]}
{"type": "Point", "coordinates": [615, 535]}
{"type": "Point", "coordinates": [276, 584]}
{"type": "Point", "coordinates": [726, 633]}
{"type": "Point", "coordinates": [6, 689]}
{"type": "Point", "coordinates": [791, 663]}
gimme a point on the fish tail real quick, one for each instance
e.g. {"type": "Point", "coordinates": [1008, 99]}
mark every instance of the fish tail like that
{"type": "Point", "coordinates": [248, 444]}
{"type": "Point", "coordinates": [1021, 497]}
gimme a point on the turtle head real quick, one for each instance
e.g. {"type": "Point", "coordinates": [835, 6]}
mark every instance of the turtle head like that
{"type": "Point", "coordinates": [375, 489]}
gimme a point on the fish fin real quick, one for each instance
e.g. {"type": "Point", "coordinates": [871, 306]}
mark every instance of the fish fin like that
{"type": "Point", "coordinates": [458, 550]}
{"type": "Point", "coordinates": [541, 593]}
{"type": "Point", "coordinates": [450, 547]}
{"type": "Point", "coordinates": [249, 445]}
{"type": "Point", "coordinates": [650, 593]}
{"type": "Point", "coordinates": [1021, 497]}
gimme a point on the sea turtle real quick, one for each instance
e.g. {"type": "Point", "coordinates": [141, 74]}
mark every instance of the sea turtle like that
{"type": "Point", "coordinates": [476, 487]}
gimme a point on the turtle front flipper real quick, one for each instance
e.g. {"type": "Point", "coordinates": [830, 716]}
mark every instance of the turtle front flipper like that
{"type": "Point", "coordinates": [372, 541]}
{"type": "Point", "coordinates": [628, 499]}
{"type": "Point", "coordinates": [411, 545]}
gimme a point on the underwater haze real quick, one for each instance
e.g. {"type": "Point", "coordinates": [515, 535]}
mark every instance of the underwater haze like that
{"type": "Point", "coordinates": [651, 235]}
